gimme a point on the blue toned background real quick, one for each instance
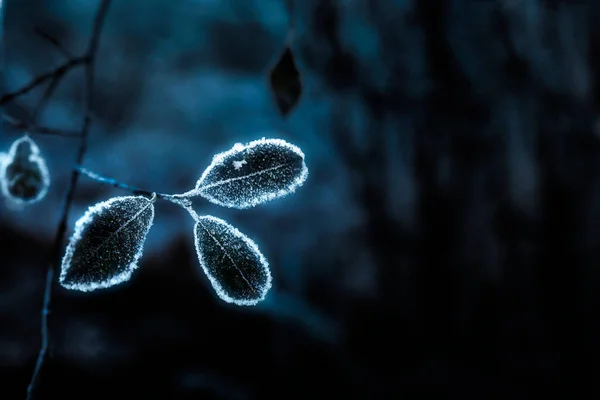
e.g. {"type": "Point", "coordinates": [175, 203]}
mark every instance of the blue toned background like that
{"type": "Point", "coordinates": [446, 240]}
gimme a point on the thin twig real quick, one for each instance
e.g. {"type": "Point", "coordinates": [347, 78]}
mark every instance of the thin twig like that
{"type": "Point", "coordinates": [45, 98]}
{"type": "Point", "coordinates": [119, 185]}
{"type": "Point", "coordinates": [7, 98]}
{"type": "Point", "coordinates": [55, 79]}
{"type": "Point", "coordinates": [44, 346]}
{"type": "Point", "coordinates": [42, 130]}
{"type": "Point", "coordinates": [54, 264]}
{"type": "Point", "coordinates": [54, 42]}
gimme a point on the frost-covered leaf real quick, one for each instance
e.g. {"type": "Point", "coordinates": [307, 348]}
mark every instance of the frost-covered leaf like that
{"type": "Point", "coordinates": [248, 175]}
{"type": "Point", "coordinates": [285, 82]}
{"type": "Point", "coordinates": [236, 268]}
{"type": "Point", "coordinates": [24, 176]}
{"type": "Point", "coordinates": [107, 243]}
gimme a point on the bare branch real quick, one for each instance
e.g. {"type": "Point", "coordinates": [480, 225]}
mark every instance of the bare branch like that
{"type": "Point", "coordinates": [37, 129]}
{"type": "Point", "coordinates": [62, 69]}
{"type": "Point", "coordinates": [54, 42]}
{"type": "Point", "coordinates": [88, 60]}
{"type": "Point", "coordinates": [45, 97]}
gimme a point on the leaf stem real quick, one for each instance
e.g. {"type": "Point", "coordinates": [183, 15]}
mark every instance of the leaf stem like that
{"type": "Point", "coordinates": [120, 185]}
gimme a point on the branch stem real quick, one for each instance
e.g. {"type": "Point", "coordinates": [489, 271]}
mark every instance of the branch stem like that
{"type": "Point", "coordinates": [88, 61]}
{"type": "Point", "coordinates": [60, 70]}
{"type": "Point", "coordinates": [37, 129]}
{"type": "Point", "coordinates": [120, 185]}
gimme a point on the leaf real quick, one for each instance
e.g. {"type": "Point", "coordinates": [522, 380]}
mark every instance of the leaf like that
{"type": "Point", "coordinates": [24, 176]}
{"type": "Point", "coordinates": [285, 83]}
{"type": "Point", "coordinates": [234, 265]}
{"type": "Point", "coordinates": [246, 176]}
{"type": "Point", "coordinates": [107, 243]}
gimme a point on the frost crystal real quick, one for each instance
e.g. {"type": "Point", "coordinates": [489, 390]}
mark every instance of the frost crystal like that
{"type": "Point", "coordinates": [107, 243]}
{"type": "Point", "coordinates": [24, 176]}
{"type": "Point", "coordinates": [236, 268]}
{"type": "Point", "coordinates": [239, 164]}
{"type": "Point", "coordinates": [246, 176]}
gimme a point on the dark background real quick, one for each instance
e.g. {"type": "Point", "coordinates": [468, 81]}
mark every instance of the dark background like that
{"type": "Point", "coordinates": [447, 239]}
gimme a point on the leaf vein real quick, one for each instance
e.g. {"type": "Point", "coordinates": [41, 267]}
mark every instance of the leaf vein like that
{"type": "Point", "coordinates": [228, 256]}
{"type": "Point", "coordinates": [112, 235]}
{"type": "Point", "coordinates": [226, 181]}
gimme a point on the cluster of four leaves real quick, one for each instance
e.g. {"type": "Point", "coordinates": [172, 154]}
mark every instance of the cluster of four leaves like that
{"type": "Point", "coordinates": [109, 238]}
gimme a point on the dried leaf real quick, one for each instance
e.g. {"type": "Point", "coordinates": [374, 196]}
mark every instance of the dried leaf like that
{"type": "Point", "coordinates": [285, 82]}
{"type": "Point", "coordinates": [24, 176]}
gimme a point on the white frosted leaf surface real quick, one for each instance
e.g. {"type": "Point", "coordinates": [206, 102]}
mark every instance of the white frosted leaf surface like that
{"type": "Point", "coordinates": [237, 270]}
{"type": "Point", "coordinates": [107, 243]}
{"type": "Point", "coordinates": [24, 175]}
{"type": "Point", "coordinates": [251, 174]}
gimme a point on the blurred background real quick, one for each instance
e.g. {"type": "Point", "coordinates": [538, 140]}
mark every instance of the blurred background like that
{"type": "Point", "coordinates": [447, 240]}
